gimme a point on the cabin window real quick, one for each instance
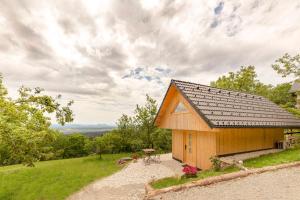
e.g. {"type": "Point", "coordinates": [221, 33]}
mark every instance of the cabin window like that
{"type": "Point", "coordinates": [180, 108]}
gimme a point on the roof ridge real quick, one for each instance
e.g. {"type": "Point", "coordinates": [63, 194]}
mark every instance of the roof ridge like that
{"type": "Point", "coordinates": [174, 80]}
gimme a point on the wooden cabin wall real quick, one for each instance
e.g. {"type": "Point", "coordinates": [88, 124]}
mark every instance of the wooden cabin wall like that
{"type": "Point", "coordinates": [177, 144]}
{"type": "Point", "coordinates": [234, 140]}
{"type": "Point", "coordinates": [189, 120]}
{"type": "Point", "coordinates": [206, 148]}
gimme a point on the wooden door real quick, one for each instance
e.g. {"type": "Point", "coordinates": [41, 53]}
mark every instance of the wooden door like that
{"type": "Point", "coordinates": [190, 150]}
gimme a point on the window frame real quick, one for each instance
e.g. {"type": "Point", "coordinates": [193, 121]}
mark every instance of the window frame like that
{"type": "Point", "coordinates": [181, 111]}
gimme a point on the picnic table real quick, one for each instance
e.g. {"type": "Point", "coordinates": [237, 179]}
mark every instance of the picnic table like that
{"type": "Point", "coordinates": [150, 156]}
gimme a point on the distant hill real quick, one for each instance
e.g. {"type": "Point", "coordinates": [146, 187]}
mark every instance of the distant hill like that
{"type": "Point", "coordinates": [90, 130]}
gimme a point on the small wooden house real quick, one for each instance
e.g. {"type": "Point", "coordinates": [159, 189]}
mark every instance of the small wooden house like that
{"type": "Point", "coordinates": [207, 121]}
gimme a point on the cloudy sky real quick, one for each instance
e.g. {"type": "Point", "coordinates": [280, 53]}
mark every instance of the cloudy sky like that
{"type": "Point", "coordinates": [106, 55]}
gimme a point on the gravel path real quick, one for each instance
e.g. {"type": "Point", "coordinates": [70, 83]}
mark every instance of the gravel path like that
{"type": "Point", "coordinates": [129, 183]}
{"type": "Point", "coordinates": [281, 184]}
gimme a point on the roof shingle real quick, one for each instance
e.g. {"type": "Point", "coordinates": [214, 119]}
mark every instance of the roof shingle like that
{"type": "Point", "coordinates": [225, 108]}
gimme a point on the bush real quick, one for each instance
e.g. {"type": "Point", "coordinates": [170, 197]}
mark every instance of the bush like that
{"type": "Point", "coordinates": [216, 163]}
{"type": "Point", "coordinates": [75, 146]}
{"type": "Point", "coordinates": [190, 171]}
{"type": "Point", "coordinates": [136, 144]}
{"type": "Point", "coordinates": [162, 140]}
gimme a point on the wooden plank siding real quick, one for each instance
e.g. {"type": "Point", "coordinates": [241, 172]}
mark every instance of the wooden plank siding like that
{"type": "Point", "coordinates": [204, 146]}
{"type": "Point", "coordinates": [224, 141]}
{"type": "Point", "coordinates": [189, 120]}
{"type": "Point", "coordinates": [177, 144]}
{"type": "Point", "coordinates": [235, 140]}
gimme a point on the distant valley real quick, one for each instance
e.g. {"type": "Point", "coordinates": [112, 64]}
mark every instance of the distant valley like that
{"type": "Point", "coordinates": [90, 130]}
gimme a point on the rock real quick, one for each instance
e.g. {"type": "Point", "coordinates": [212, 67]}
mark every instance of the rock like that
{"type": "Point", "coordinates": [124, 160]}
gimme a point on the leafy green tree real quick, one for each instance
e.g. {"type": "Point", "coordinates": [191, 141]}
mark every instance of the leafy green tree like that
{"type": "Point", "coordinates": [89, 146]}
{"type": "Point", "coordinates": [287, 65]}
{"type": "Point", "coordinates": [75, 146]}
{"type": "Point", "coordinates": [59, 145]}
{"type": "Point", "coordinates": [113, 142]}
{"type": "Point", "coordinates": [281, 95]}
{"type": "Point", "coordinates": [244, 80]}
{"type": "Point", "coordinates": [144, 118]}
{"type": "Point", "coordinates": [136, 132]}
{"type": "Point", "coordinates": [162, 139]}
{"type": "Point", "coordinates": [39, 104]}
{"type": "Point", "coordinates": [294, 111]}
{"type": "Point", "coordinates": [108, 143]}
{"type": "Point", "coordinates": [100, 146]}
{"type": "Point", "coordinates": [127, 131]}
{"type": "Point", "coordinates": [21, 139]}
{"type": "Point", "coordinates": [24, 126]}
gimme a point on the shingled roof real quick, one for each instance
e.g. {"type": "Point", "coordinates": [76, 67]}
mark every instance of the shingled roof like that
{"type": "Point", "coordinates": [225, 108]}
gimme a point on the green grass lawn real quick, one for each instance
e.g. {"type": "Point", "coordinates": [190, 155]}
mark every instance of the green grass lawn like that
{"type": "Point", "coordinates": [170, 181]}
{"type": "Point", "coordinates": [290, 155]}
{"type": "Point", "coordinates": [54, 180]}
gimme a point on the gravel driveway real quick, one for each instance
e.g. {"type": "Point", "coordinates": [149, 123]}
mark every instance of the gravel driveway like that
{"type": "Point", "coordinates": [281, 184]}
{"type": "Point", "coordinates": [129, 183]}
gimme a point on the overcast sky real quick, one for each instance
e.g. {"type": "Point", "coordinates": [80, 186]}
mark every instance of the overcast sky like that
{"type": "Point", "coordinates": [106, 55]}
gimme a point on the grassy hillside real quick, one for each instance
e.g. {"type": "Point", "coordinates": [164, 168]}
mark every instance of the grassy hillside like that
{"type": "Point", "coordinates": [54, 179]}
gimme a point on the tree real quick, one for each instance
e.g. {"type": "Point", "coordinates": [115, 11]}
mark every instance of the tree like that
{"type": "Point", "coordinates": [59, 145]}
{"type": "Point", "coordinates": [112, 142]}
{"type": "Point", "coordinates": [136, 132]}
{"type": "Point", "coordinates": [108, 143]}
{"type": "Point", "coordinates": [162, 139]}
{"type": "Point", "coordinates": [127, 131]}
{"type": "Point", "coordinates": [89, 146]}
{"type": "Point", "coordinates": [281, 95]}
{"type": "Point", "coordinates": [24, 126]}
{"type": "Point", "coordinates": [100, 146]}
{"type": "Point", "coordinates": [287, 65]}
{"type": "Point", "coordinates": [75, 146]}
{"type": "Point", "coordinates": [144, 119]}
{"type": "Point", "coordinates": [244, 80]}
{"type": "Point", "coordinates": [39, 104]}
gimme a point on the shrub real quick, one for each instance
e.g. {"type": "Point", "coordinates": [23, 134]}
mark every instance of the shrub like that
{"type": "Point", "coordinates": [190, 171]}
{"type": "Point", "coordinates": [74, 145]}
{"type": "Point", "coordinates": [162, 140]}
{"type": "Point", "coordinates": [216, 162]}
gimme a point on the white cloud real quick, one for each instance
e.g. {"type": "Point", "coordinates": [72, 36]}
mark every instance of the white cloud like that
{"type": "Point", "coordinates": [91, 51]}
